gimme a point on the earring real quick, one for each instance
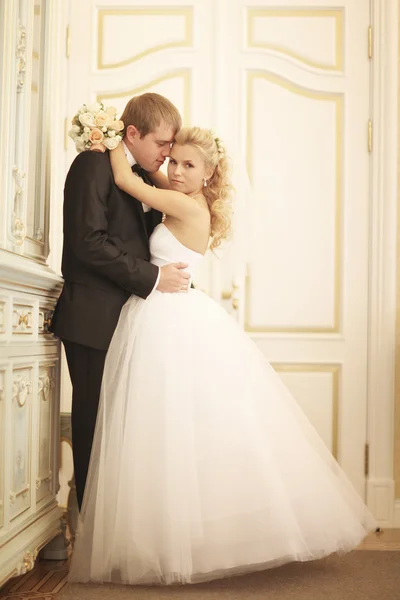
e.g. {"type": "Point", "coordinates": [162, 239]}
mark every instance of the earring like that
{"type": "Point", "coordinates": [205, 183]}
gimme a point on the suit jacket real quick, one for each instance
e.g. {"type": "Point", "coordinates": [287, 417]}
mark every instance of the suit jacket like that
{"type": "Point", "coordinates": [105, 253]}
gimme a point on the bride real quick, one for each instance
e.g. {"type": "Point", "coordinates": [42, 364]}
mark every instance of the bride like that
{"type": "Point", "coordinates": [203, 465]}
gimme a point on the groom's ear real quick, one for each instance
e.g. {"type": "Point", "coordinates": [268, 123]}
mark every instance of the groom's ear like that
{"type": "Point", "coordinates": [132, 133]}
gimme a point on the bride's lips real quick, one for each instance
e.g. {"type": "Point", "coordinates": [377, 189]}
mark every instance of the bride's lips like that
{"type": "Point", "coordinates": [176, 181]}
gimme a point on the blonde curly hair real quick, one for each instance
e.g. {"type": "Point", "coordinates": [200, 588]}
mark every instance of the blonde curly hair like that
{"type": "Point", "coordinates": [218, 190]}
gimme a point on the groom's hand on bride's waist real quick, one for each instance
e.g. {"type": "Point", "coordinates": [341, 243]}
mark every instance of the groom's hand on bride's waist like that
{"type": "Point", "coordinates": [173, 278]}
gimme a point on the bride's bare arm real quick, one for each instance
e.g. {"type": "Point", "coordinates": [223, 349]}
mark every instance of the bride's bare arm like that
{"type": "Point", "coordinates": [170, 202]}
{"type": "Point", "coordinates": [159, 180]}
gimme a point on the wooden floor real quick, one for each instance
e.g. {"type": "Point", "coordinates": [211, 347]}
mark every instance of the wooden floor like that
{"type": "Point", "coordinates": [389, 539]}
{"type": "Point", "coordinates": [46, 580]}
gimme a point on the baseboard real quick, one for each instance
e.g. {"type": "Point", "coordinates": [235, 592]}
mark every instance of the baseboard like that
{"type": "Point", "coordinates": [380, 500]}
{"type": "Point", "coordinates": [396, 523]}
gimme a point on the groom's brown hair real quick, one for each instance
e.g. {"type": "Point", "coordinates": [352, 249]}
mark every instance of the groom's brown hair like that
{"type": "Point", "coordinates": [147, 111]}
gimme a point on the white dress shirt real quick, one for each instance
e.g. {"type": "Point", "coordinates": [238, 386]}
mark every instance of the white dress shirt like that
{"type": "Point", "coordinates": [146, 208]}
{"type": "Point", "coordinates": [132, 162]}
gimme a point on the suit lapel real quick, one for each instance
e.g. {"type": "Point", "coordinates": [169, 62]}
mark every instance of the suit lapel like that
{"type": "Point", "coordinates": [139, 207]}
{"type": "Point", "coordinates": [153, 217]}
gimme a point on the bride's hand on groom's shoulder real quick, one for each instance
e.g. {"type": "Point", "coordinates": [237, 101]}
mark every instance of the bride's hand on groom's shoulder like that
{"type": "Point", "coordinates": [97, 148]}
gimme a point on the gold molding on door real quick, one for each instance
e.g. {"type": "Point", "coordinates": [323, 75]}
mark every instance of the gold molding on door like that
{"type": "Point", "coordinates": [322, 97]}
{"type": "Point", "coordinates": [337, 14]}
{"type": "Point", "coordinates": [186, 12]}
{"type": "Point", "coordinates": [184, 73]}
{"type": "Point", "coordinates": [334, 369]}
{"type": "Point", "coordinates": [396, 416]}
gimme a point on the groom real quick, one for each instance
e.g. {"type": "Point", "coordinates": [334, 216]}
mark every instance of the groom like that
{"type": "Point", "coordinates": [106, 259]}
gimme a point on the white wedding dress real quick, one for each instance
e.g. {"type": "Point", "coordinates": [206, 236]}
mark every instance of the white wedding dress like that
{"type": "Point", "coordinates": [203, 465]}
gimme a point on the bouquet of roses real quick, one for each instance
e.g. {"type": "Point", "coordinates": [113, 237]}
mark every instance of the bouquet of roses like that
{"type": "Point", "coordinates": [95, 127]}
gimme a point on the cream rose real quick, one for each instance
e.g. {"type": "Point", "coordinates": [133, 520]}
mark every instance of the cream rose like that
{"type": "Point", "coordinates": [96, 136]}
{"type": "Point", "coordinates": [79, 144]}
{"type": "Point", "coordinates": [111, 143]}
{"type": "Point", "coordinates": [94, 108]}
{"type": "Point", "coordinates": [111, 111]}
{"type": "Point", "coordinates": [87, 120]}
{"type": "Point", "coordinates": [117, 126]}
{"type": "Point", "coordinates": [102, 119]}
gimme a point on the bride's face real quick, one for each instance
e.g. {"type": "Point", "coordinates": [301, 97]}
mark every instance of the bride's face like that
{"type": "Point", "coordinates": [186, 169]}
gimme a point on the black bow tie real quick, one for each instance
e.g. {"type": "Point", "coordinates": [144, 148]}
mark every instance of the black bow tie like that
{"type": "Point", "coordinates": [137, 169]}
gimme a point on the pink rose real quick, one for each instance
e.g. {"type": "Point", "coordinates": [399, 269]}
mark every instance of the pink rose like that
{"type": "Point", "coordinates": [96, 136]}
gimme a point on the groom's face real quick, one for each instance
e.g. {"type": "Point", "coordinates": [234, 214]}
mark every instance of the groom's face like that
{"type": "Point", "coordinates": [151, 150]}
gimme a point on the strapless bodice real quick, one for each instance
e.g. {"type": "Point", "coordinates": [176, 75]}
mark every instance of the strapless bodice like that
{"type": "Point", "coordinates": [165, 248]}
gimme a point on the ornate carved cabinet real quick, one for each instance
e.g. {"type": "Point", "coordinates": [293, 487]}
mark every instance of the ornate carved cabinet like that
{"type": "Point", "coordinates": [29, 355]}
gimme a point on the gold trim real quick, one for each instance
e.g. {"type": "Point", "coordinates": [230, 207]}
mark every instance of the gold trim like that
{"type": "Point", "coordinates": [68, 41]}
{"type": "Point", "coordinates": [396, 417]}
{"type": "Point", "coordinates": [66, 129]}
{"type": "Point", "coordinates": [227, 295]}
{"type": "Point", "coordinates": [332, 368]}
{"type": "Point", "coordinates": [184, 73]}
{"type": "Point", "coordinates": [299, 13]}
{"type": "Point", "coordinates": [25, 317]}
{"type": "Point", "coordinates": [321, 96]}
{"type": "Point", "coordinates": [187, 13]}
{"type": "Point", "coordinates": [35, 55]}
{"type": "Point", "coordinates": [370, 42]}
{"type": "Point", "coordinates": [369, 135]}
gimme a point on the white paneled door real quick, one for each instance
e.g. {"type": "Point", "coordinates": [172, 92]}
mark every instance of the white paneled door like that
{"type": "Point", "coordinates": [287, 85]}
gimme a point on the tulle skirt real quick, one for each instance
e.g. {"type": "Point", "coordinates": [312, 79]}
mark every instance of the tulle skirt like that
{"type": "Point", "coordinates": [203, 465]}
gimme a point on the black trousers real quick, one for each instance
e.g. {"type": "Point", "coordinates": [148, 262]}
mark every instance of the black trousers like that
{"type": "Point", "coordinates": [86, 367]}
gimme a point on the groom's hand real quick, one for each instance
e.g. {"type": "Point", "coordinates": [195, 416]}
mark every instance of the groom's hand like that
{"type": "Point", "coordinates": [173, 278]}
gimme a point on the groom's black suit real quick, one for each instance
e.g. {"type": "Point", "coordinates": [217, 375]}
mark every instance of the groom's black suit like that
{"type": "Point", "coordinates": [105, 260]}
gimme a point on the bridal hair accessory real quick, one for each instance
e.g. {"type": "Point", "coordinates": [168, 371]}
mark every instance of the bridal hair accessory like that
{"type": "Point", "coordinates": [219, 144]}
{"type": "Point", "coordinates": [95, 127]}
